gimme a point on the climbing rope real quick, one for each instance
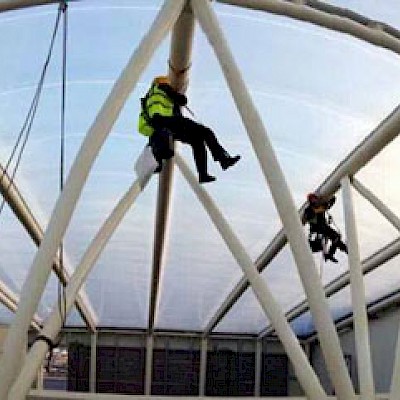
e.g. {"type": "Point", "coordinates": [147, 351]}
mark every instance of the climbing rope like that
{"type": "Point", "coordinates": [24, 132]}
{"type": "Point", "coordinates": [21, 142]}
{"type": "Point", "coordinates": [62, 300]}
{"type": "Point", "coordinates": [190, 112]}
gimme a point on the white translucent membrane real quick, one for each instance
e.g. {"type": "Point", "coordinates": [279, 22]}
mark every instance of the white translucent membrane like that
{"type": "Point", "coordinates": [319, 94]}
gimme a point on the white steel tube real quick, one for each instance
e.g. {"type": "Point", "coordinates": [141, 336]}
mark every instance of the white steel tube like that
{"type": "Point", "coordinates": [24, 214]}
{"type": "Point", "coordinates": [380, 137]}
{"type": "Point", "coordinates": [358, 297]}
{"type": "Point", "coordinates": [39, 379]}
{"type": "Point", "coordinates": [148, 377]}
{"type": "Point", "coordinates": [395, 385]}
{"type": "Point", "coordinates": [38, 275]}
{"type": "Point", "coordinates": [93, 362]}
{"type": "Point", "coordinates": [382, 256]}
{"type": "Point", "coordinates": [283, 201]}
{"type": "Point", "coordinates": [258, 368]}
{"type": "Point", "coordinates": [372, 34]}
{"type": "Point", "coordinates": [53, 323]}
{"type": "Point", "coordinates": [378, 204]}
{"type": "Point", "coordinates": [179, 63]}
{"type": "Point", "coordinates": [9, 299]}
{"type": "Point", "coordinates": [7, 5]}
{"type": "Point", "coordinates": [304, 372]}
{"type": "Point", "coordinates": [203, 367]}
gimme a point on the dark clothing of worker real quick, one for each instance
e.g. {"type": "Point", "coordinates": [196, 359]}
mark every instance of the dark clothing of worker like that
{"type": "Point", "coordinates": [188, 131]}
{"type": "Point", "coordinates": [315, 216]}
{"type": "Point", "coordinates": [161, 145]}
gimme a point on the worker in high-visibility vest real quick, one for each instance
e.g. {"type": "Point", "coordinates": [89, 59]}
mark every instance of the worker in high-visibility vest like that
{"type": "Point", "coordinates": [161, 110]}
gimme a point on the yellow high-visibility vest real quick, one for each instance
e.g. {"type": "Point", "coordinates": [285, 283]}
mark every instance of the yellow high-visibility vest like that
{"type": "Point", "coordinates": [156, 101]}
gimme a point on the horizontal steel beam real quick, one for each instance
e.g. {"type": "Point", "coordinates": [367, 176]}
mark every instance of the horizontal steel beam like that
{"type": "Point", "coordinates": [334, 18]}
{"type": "Point", "coordinates": [10, 300]}
{"type": "Point", "coordinates": [9, 5]}
{"type": "Point", "coordinates": [380, 257]}
{"type": "Point", "coordinates": [374, 307]}
{"type": "Point", "coordinates": [57, 395]}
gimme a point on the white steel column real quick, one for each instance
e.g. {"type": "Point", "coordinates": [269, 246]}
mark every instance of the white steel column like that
{"type": "Point", "coordinates": [148, 377]}
{"type": "Point", "coordinates": [41, 266]}
{"type": "Point", "coordinates": [93, 362]}
{"type": "Point", "coordinates": [179, 65]}
{"type": "Point", "coordinates": [39, 379]}
{"type": "Point", "coordinates": [395, 385]}
{"type": "Point", "coordinates": [283, 201]}
{"type": "Point", "coordinates": [304, 372]}
{"type": "Point", "coordinates": [53, 322]}
{"type": "Point", "coordinates": [358, 297]}
{"type": "Point", "coordinates": [258, 368]}
{"type": "Point", "coordinates": [395, 221]}
{"type": "Point", "coordinates": [378, 204]}
{"type": "Point", "coordinates": [203, 367]}
{"type": "Point", "coordinates": [22, 356]}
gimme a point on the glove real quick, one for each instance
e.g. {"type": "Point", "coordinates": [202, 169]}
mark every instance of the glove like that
{"type": "Point", "coordinates": [331, 201]}
{"type": "Point", "coordinates": [181, 99]}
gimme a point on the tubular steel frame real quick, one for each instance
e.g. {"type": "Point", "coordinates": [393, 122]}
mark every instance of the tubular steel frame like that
{"type": "Point", "coordinates": [179, 12]}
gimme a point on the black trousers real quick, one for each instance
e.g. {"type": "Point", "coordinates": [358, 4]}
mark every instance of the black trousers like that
{"type": "Point", "coordinates": [161, 145]}
{"type": "Point", "coordinates": [196, 135]}
{"type": "Point", "coordinates": [334, 236]}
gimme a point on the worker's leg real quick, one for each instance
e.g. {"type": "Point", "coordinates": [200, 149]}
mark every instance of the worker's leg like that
{"type": "Point", "coordinates": [161, 145]}
{"type": "Point", "coordinates": [335, 242]}
{"type": "Point", "coordinates": [192, 130]}
{"type": "Point", "coordinates": [342, 246]}
{"type": "Point", "coordinates": [336, 239]}
{"type": "Point", "coordinates": [180, 130]}
{"type": "Point", "coordinates": [200, 159]}
{"type": "Point", "coordinates": [217, 151]}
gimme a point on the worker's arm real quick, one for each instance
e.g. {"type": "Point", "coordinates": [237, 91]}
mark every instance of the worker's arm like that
{"type": "Point", "coordinates": [331, 202]}
{"type": "Point", "coordinates": [175, 96]}
{"type": "Point", "coordinates": [307, 215]}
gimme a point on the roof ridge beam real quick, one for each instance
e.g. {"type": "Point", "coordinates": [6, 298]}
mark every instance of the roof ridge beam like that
{"type": "Point", "coordinates": [336, 19]}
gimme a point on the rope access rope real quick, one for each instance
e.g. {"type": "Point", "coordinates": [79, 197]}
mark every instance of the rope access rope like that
{"type": "Point", "coordinates": [62, 300]}
{"type": "Point", "coordinates": [23, 134]}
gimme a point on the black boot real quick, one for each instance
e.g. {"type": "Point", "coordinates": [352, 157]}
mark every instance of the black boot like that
{"type": "Point", "coordinates": [330, 257]}
{"type": "Point", "coordinates": [205, 178]}
{"type": "Point", "coordinates": [228, 161]}
{"type": "Point", "coordinates": [342, 246]}
{"type": "Point", "coordinates": [158, 169]}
